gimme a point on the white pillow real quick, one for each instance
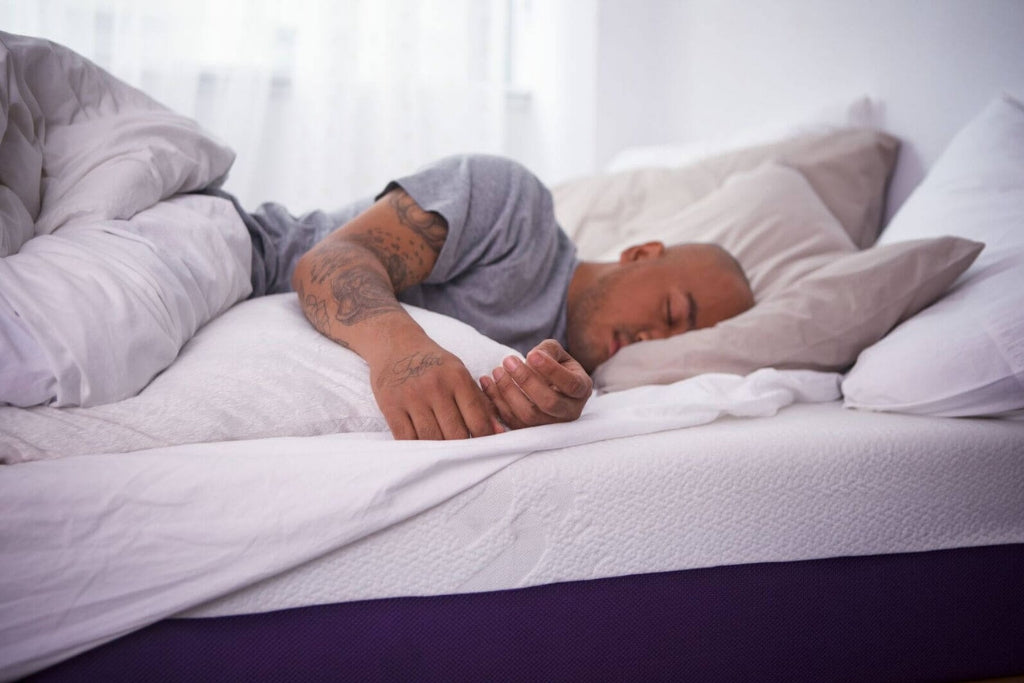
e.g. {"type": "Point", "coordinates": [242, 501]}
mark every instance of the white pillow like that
{"type": "Point", "coordinates": [964, 356]}
{"type": "Point", "coordinates": [259, 370]}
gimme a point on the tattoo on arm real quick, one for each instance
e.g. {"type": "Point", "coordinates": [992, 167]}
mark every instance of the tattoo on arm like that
{"type": "Point", "coordinates": [359, 289]}
{"type": "Point", "coordinates": [362, 293]}
{"type": "Point", "coordinates": [389, 253]}
{"type": "Point", "coordinates": [431, 227]}
{"type": "Point", "coordinates": [412, 366]}
{"type": "Point", "coordinates": [315, 310]}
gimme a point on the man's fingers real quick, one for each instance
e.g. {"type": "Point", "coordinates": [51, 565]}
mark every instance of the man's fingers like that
{"type": "Point", "coordinates": [553, 349]}
{"type": "Point", "coordinates": [400, 425]}
{"type": "Point", "coordinates": [450, 420]}
{"type": "Point", "coordinates": [560, 369]}
{"type": "Point", "coordinates": [426, 425]}
{"type": "Point", "coordinates": [476, 412]}
{"type": "Point", "coordinates": [508, 415]}
{"type": "Point", "coordinates": [531, 401]}
{"type": "Point", "coordinates": [540, 392]}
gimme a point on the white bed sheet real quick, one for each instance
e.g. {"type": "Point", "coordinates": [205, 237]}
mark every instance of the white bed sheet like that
{"type": "Point", "coordinates": [815, 481]}
{"type": "Point", "coordinates": [95, 546]}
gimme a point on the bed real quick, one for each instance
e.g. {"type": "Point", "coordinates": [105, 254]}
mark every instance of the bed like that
{"type": "Point", "coordinates": [830, 486]}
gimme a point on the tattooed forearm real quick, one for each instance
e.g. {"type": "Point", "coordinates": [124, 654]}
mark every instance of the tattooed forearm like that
{"type": "Point", "coordinates": [411, 366]}
{"type": "Point", "coordinates": [359, 290]}
{"type": "Point", "coordinates": [358, 271]}
{"type": "Point", "coordinates": [361, 293]}
{"type": "Point", "coordinates": [387, 251]}
{"type": "Point", "coordinates": [315, 310]}
{"type": "Point", "coordinates": [428, 225]}
{"type": "Point", "coordinates": [328, 260]}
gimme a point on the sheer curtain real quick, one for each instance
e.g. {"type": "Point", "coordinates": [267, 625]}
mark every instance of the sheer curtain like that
{"type": "Point", "coordinates": [324, 100]}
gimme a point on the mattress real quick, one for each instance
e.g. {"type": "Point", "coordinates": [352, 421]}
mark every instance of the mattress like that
{"type": "Point", "coordinates": [814, 481]}
{"type": "Point", "coordinates": [127, 539]}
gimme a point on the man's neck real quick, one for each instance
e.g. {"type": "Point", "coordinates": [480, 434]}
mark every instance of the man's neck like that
{"type": "Point", "coordinates": [586, 273]}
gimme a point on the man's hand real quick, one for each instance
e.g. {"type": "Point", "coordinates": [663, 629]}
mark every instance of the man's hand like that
{"type": "Point", "coordinates": [551, 386]}
{"type": "Point", "coordinates": [427, 393]}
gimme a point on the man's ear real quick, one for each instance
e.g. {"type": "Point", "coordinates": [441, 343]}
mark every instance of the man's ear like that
{"type": "Point", "coordinates": [640, 252]}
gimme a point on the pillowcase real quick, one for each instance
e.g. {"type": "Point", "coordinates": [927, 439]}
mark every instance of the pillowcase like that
{"type": "Point", "coordinates": [964, 356]}
{"type": "Point", "coordinates": [849, 169]}
{"type": "Point", "coordinates": [259, 370]}
{"type": "Point", "coordinates": [820, 301]}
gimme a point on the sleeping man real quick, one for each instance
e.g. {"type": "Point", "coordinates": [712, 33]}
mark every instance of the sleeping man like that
{"type": "Point", "coordinates": [476, 238]}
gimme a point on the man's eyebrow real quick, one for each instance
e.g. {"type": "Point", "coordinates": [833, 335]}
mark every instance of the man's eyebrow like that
{"type": "Point", "coordinates": [691, 318]}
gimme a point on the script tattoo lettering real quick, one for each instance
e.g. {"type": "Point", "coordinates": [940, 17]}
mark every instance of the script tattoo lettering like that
{"type": "Point", "coordinates": [413, 366]}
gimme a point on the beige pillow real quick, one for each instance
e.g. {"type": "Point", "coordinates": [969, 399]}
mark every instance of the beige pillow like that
{"type": "Point", "coordinates": [769, 218]}
{"type": "Point", "coordinates": [849, 169]}
{"type": "Point", "coordinates": [819, 300]}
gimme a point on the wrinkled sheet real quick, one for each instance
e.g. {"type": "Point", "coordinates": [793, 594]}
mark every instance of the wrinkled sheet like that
{"type": "Point", "coordinates": [93, 547]}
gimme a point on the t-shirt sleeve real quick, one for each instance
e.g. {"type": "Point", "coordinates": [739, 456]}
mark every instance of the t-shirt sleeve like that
{"type": "Point", "coordinates": [490, 204]}
{"type": "Point", "coordinates": [505, 265]}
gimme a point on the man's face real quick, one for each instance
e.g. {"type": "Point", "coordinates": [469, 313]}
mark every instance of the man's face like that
{"type": "Point", "coordinates": [653, 294]}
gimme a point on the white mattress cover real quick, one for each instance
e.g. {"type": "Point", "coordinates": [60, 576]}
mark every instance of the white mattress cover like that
{"type": "Point", "coordinates": [815, 481]}
{"type": "Point", "coordinates": [95, 546]}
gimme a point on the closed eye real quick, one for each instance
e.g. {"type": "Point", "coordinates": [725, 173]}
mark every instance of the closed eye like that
{"type": "Point", "coordinates": [691, 318]}
{"type": "Point", "coordinates": [668, 311]}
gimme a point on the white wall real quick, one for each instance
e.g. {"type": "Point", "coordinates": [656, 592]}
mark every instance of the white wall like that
{"type": "Point", "coordinates": [679, 70]}
{"type": "Point", "coordinates": [638, 64]}
{"type": "Point", "coordinates": [551, 124]}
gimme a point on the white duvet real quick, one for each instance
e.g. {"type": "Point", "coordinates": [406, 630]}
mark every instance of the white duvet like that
{"type": "Point", "coordinates": [96, 224]}
{"type": "Point", "coordinates": [96, 546]}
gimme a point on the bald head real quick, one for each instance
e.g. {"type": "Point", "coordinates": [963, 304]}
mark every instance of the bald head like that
{"type": "Point", "coordinates": [652, 292]}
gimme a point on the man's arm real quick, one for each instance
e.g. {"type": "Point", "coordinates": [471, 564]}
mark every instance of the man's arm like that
{"type": "Point", "coordinates": [347, 286]}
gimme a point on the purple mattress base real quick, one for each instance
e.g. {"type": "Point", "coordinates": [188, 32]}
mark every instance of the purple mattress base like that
{"type": "Point", "coordinates": [936, 616]}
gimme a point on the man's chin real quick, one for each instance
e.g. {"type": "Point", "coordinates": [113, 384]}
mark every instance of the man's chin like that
{"type": "Point", "coordinates": [587, 355]}
{"type": "Point", "coordinates": [590, 361]}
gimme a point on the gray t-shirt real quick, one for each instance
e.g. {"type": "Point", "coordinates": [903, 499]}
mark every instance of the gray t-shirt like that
{"type": "Point", "coordinates": [505, 266]}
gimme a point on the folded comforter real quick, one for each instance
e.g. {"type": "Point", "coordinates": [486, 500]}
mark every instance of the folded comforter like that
{"type": "Point", "coordinates": [107, 263]}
